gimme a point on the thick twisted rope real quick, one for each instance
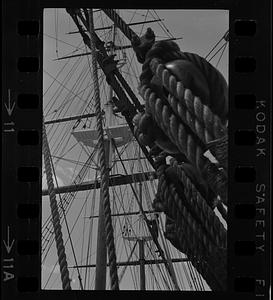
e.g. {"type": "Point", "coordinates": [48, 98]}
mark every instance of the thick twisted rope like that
{"type": "Point", "coordinates": [190, 125]}
{"type": "Point", "coordinates": [185, 142]}
{"type": "Point", "coordinates": [158, 51]}
{"type": "Point", "coordinates": [66, 200]}
{"type": "Point", "coordinates": [177, 206]}
{"type": "Point", "coordinates": [215, 82]}
{"type": "Point", "coordinates": [169, 51]}
{"type": "Point", "coordinates": [55, 215]}
{"type": "Point", "coordinates": [205, 124]}
{"type": "Point", "coordinates": [201, 210]}
{"type": "Point", "coordinates": [103, 168]}
{"type": "Point", "coordinates": [129, 33]}
{"type": "Point", "coordinates": [199, 245]}
{"type": "Point", "coordinates": [178, 237]}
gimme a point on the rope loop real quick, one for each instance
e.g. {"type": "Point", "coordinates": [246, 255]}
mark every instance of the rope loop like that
{"type": "Point", "coordinates": [186, 142]}
{"type": "Point", "coordinates": [191, 235]}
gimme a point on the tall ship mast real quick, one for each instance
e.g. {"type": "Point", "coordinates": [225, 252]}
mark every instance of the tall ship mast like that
{"type": "Point", "coordinates": [101, 226]}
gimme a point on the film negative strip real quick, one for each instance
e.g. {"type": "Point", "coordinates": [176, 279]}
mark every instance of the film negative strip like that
{"type": "Point", "coordinates": [215, 239]}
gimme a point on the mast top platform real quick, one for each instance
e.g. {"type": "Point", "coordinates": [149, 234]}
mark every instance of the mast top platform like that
{"type": "Point", "coordinates": [89, 137]}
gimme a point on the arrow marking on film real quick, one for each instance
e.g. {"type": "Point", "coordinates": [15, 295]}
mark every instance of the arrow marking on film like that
{"type": "Point", "coordinates": [10, 106]}
{"type": "Point", "coordinates": [7, 243]}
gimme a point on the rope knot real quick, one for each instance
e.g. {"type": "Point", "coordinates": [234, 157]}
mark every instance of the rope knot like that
{"type": "Point", "coordinates": [143, 44]}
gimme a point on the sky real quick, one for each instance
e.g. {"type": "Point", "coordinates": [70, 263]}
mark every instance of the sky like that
{"type": "Point", "coordinates": [200, 31]}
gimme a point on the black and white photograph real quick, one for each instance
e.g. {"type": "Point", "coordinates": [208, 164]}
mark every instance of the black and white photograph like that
{"type": "Point", "coordinates": [135, 149]}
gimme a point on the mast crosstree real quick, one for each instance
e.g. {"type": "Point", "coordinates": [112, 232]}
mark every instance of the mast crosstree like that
{"type": "Point", "coordinates": [109, 68]}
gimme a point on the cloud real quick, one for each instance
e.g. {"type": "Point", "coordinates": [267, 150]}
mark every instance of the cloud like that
{"type": "Point", "coordinates": [59, 181]}
{"type": "Point", "coordinates": [62, 177]}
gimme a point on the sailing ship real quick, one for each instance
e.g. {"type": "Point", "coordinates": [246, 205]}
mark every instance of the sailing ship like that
{"type": "Point", "coordinates": [73, 183]}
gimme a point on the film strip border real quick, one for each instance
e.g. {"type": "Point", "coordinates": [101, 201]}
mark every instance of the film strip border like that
{"type": "Point", "coordinates": [249, 190]}
{"type": "Point", "coordinates": [249, 150]}
{"type": "Point", "coordinates": [21, 149]}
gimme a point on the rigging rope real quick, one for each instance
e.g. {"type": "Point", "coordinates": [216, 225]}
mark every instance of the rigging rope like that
{"type": "Point", "coordinates": [221, 55]}
{"type": "Point", "coordinates": [192, 238]}
{"type": "Point", "coordinates": [210, 171]}
{"type": "Point", "coordinates": [167, 262]}
{"type": "Point", "coordinates": [66, 224]}
{"type": "Point", "coordinates": [119, 23]}
{"type": "Point", "coordinates": [222, 38]}
{"type": "Point", "coordinates": [185, 141]}
{"type": "Point", "coordinates": [206, 125]}
{"type": "Point", "coordinates": [56, 30]}
{"type": "Point", "coordinates": [181, 123]}
{"type": "Point", "coordinates": [189, 144]}
{"type": "Point", "coordinates": [200, 208]}
{"type": "Point", "coordinates": [68, 200]}
{"type": "Point", "coordinates": [214, 95]}
{"type": "Point", "coordinates": [108, 66]}
{"type": "Point", "coordinates": [55, 215]}
{"type": "Point", "coordinates": [103, 168]}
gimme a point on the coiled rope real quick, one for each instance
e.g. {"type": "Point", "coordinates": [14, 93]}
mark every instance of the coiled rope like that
{"type": "Point", "coordinates": [103, 168]}
{"type": "Point", "coordinates": [185, 142]}
{"type": "Point", "coordinates": [167, 51]}
{"type": "Point", "coordinates": [199, 207]}
{"type": "Point", "coordinates": [55, 215]}
{"type": "Point", "coordinates": [216, 84]}
{"type": "Point", "coordinates": [206, 125]}
{"type": "Point", "coordinates": [178, 236]}
{"type": "Point", "coordinates": [184, 123]}
{"type": "Point", "coordinates": [200, 246]}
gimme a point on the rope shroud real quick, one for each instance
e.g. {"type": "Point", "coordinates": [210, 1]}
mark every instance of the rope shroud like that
{"type": "Point", "coordinates": [103, 167]}
{"type": "Point", "coordinates": [181, 123]}
{"type": "Point", "coordinates": [55, 215]}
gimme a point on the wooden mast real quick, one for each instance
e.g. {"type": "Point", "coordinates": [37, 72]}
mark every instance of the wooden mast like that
{"type": "Point", "coordinates": [101, 258]}
{"type": "Point", "coordinates": [141, 241]}
{"type": "Point", "coordinates": [150, 237]}
{"type": "Point", "coordinates": [141, 264]}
